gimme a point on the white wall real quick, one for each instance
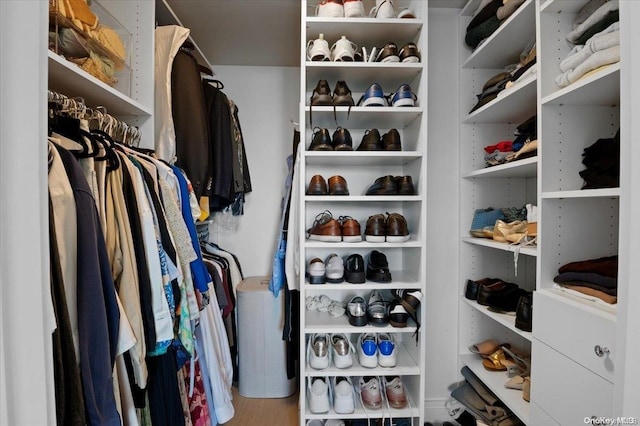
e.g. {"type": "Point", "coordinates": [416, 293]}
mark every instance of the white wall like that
{"type": "Point", "coordinates": [267, 98]}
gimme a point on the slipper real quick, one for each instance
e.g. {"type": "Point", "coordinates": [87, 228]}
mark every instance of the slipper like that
{"type": "Point", "coordinates": [484, 349]}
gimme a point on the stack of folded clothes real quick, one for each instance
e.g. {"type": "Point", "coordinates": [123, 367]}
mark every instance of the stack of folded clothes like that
{"type": "Point", "coordinates": [602, 160]}
{"type": "Point", "coordinates": [487, 18]}
{"type": "Point", "coordinates": [523, 146]}
{"type": "Point", "coordinates": [596, 36]}
{"type": "Point", "coordinates": [594, 278]}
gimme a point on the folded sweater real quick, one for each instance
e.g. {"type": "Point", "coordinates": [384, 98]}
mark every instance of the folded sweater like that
{"type": "Point", "coordinates": [596, 17]}
{"type": "Point", "coordinates": [603, 40]}
{"type": "Point", "coordinates": [597, 59]}
{"type": "Point", "coordinates": [587, 11]}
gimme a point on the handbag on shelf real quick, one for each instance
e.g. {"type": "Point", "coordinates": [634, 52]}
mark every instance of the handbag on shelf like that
{"type": "Point", "coordinates": [484, 221]}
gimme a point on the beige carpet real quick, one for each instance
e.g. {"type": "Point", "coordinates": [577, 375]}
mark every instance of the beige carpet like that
{"type": "Point", "coordinates": [264, 411]}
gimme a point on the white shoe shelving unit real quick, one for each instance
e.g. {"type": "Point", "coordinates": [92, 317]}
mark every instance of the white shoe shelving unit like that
{"type": "Point", "coordinates": [361, 169]}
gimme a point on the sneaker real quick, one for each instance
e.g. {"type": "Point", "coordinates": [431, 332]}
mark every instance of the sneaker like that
{"type": "Point", "coordinates": [370, 392]}
{"type": "Point", "coordinates": [388, 53]}
{"type": "Point", "coordinates": [377, 310]}
{"type": "Point", "coordinates": [350, 229]}
{"type": "Point", "coordinates": [342, 95]}
{"type": "Point", "coordinates": [325, 228]}
{"type": "Point", "coordinates": [368, 350]}
{"type": "Point", "coordinates": [391, 141]}
{"type": "Point", "coordinates": [334, 269]}
{"type": "Point", "coordinates": [353, 9]}
{"type": "Point", "coordinates": [343, 400]}
{"type": "Point", "coordinates": [343, 50]}
{"type": "Point", "coordinates": [318, 351]}
{"type": "Point", "coordinates": [387, 350]}
{"type": "Point", "coordinates": [342, 140]}
{"type": "Point", "coordinates": [373, 96]}
{"type": "Point", "coordinates": [410, 299]}
{"type": "Point", "coordinates": [375, 230]}
{"type": "Point", "coordinates": [341, 351]}
{"type": "Point", "coordinates": [318, 49]}
{"type": "Point", "coordinates": [321, 95]}
{"type": "Point", "coordinates": [321, 140]}
{"type": "Point", "coordinates": [357, 311]}
{"type": "Point", "coordinates": [370, 141]}
{"type": "Point", "coordinates": [403, 96]}
{"type": "Point", "coordinates": [318, 390]}
{"type": "Point", "coordinates": [378, 268]}
{"type": "Point", "coordinates": [354, 269]}
{"type": "Point", "coordinates": [409, 53]}
{"type": "Point", "coordinates": [330, 9]}
{"type": "Point", "coordinates": [396, 229]}
{"type": "Point", "coordinates": [383, 10]}
{"type": "Point", "coordinates": [398, 315]}
{"type": "Point", "coordinates": [394, 389]}
{"type": "Point", "coordinates": [316, 271]}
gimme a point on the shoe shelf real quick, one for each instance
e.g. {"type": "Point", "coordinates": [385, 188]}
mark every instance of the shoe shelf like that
{"type": "Point", "coordinates": [363, 117]}
{"type": "Point", "coordinates": [599, 89]}
{"type": "Point", "coordinates": [376, 32]}
{"type": "Point", "coordinates": [359, 75]}
{"type": "Point", "coordinates": [411, 410]}
{"type": "Point", "coordinates": [507, 320]}
{"type": "Point", "coordinates": [322, 322]}
{"type": "Point", "coordinates": [515, 106]}
{"type": "Point", "coordinates": [400, 280]}
{"type": "Point", "coordinates": [516, 169]}
{"type": "Point", "coordinates": [504, 46]}
{"type": "Point", "coordinates": [361, 158]}
{"type": "Point", "coordinates": [363, 198]}
{"type": "Point", "coordinates": [486, 242]}
{"type": "Point", "coordinates": [495, 381]}
{"type": "Point", "coordinates": [363, 244]}
{"type": "Point", "coordinates": [586, 193]}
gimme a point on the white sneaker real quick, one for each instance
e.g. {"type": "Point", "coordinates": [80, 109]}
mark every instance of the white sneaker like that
{"type": "Point", "coordinates": [330, 9]}
{"type": "Point", "coordinates": [334, 269]}
{"type": "Point", "coordinates": [368, 350]}
{"type": "Point", "coordinates": [318, 351]}
{"type": "Point", "coordinates": [343, 401]}
{"type": "Point", "coordinates": [318, 390]}
{"type": "Point", "coordinates": [353, 9]}
{"type": "Point", "coordinates": [318, 49]}
{"type": "Point", "coordinates": [383, 10]}
{"type": "Point", "coordinates": [387, 350]}
{"type": "Point", "coordinates": [394, 391]}
{"type": "Point", "coordinates": [341, 349]}
{"type": "Point", "coordinates": [343, 50]}
{"type": "Point", "coordinates": [370, 392]}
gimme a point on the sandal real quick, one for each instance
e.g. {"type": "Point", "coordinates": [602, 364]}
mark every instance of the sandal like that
{"type": "Point", "coordinates": [484, 349]}
{"type": "Point", "coordinates": [496, 361]}
{"type": "Point", "coordinates": [516, 382]}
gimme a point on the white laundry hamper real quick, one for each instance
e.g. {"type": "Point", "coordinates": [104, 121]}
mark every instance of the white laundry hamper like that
{"type": "Point", "coordinates": [262, 356]}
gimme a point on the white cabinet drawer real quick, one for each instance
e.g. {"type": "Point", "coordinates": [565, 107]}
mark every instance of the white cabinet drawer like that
{"type": "Point", "coordinates": [539, 417]}
{"type": "Point", "coordinates": [566, 391]}
{"type": "Point", "coordinates": [575, 332]}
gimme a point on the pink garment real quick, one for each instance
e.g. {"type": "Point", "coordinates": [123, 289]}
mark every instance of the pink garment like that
{"type": "Point", "coordinates": [198, 406]}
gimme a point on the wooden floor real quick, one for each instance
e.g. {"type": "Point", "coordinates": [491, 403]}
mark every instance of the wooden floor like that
{"type": "Point", "coordinates": [264, 411]}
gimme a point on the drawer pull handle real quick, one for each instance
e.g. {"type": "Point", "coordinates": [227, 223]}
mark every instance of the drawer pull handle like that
{"type": "Point", "coordinates": [601, 351]}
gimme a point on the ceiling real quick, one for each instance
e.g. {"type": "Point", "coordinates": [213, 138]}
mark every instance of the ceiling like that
{"type": "Point", "coordinates": [251, 32]}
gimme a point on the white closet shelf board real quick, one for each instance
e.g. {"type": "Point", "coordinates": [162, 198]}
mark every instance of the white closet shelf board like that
{"type": "Point", "coordinates": [516, 169]}
{"type": "Point", "coordinates": [558, 6]}
{"type": "Point", "coordinates": [411, 410]}
{"type": "Point", "coordinates": [363, 198]}
{"type": "Point", "coordinates": [514, 106]}
{"type": "Point", "coordinates": [400, 280]}
{"type": "Point", "coordinates": [486, 242]}
{"type": "Point", "coordinates": [166, 16]}
{"type": "Point", "coordinates": [363, 244]}
{"type": "Point", "coordinates": [359, 75]}
{"type": "Point", "coordinates": [322, 322]}
{"type": "Point", "coordinates": [67, 78]}
{"type": "Point", "coordinates": [362, 158]}
{"type": "Point", "coordinates": [585, 193]}
{"type": "Point", "coordinates": [495, 381]}
{"type": "Point", "coordinates": [504, 46]}
{"type": "Point", "coordinates": [377, 30]}
{"type": "Point", "coordinates": [599, 89]}
{"type": "Point", "coordinates": [362, 117]}
{"type": "Point", "coordinates": [506, 320]}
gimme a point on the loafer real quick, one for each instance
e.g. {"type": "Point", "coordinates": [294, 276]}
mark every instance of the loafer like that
{"type": "Point", "coordinates": [338, 186]}
{"type": "Point", "coordinates": [357, 311]}
{"type": "Point", "coordinates": [342, 140]}
{"type": "Point", "coordinates": [505, 300]}
{"type": "Point", "coordinates": [334, 269]}
{"type": "Point", "coordinates": [354, 269]}
{"type": "Point", "coordinates": [342, 94]}
{"type": "Point", "coordinates": [351, 232]}
{"type": "Point", "coordinates": [321, 140]}
{"type": "Point", "coordinates": [396, 229]}
{"type": "Point", "coordinates": [378, 268]}
{"type": "Point", "coordinates": [317, 271]}
{"type": "Point", "coordinates": [377, 309]}
{"type": "Point", "coordinates": [398, 315]}
{"type": "Point", "coordinates": [375, 230]}
{"type": "Point", "coordinates": [371, 141]}
{"type": "Point", "coordinates": [472, 288]}
{"type": "Point", "coordinates": [325, 228]}
{"type": "Point", "coordinates": [385, 185]}
{"type": "Point", "coordinates": [524, 312]}
{"type": "Point", "coordinates": [490, 287]}
{"type": "Point", "coordinates": [317, 186]}
{"type": "Point", "coordinates": [405, 185]}
{"type": "Point", "coordinates": [391, 141]}
{"type": "Point", "coordinates": [409, 53]}
{"type": "Point", "coordinates": [388, 53]}
{"type": "Point", "coordinates": [321, 95]}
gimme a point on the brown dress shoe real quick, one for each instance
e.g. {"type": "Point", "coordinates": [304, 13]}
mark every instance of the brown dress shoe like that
{"type": "Point", "coordinates": [374, 231]}
{"type": "Point", "coordinates": [338, 186]}
{"type": "Point", "coordinates": [342, 140]}
{"type": "Point", "coordinates": [405, 185]}
{"type": "Point", "coordinates": [385, 185]}
{"type": "Point", "coordinates": [396, 228]}
{"type": "Point", "coordinates": [325, 228]}
{"type": "Point", "coordinates": [342, 94]}
{"type": "Point", "coordinates": [317, 186]}
{"type": "Point", "coordinates": [391, 141]}
{"type": "Point", "coordinates": [321, 140]}
{"type": "Point", "coordinates": [321, 95]}
{"type": "Point", "coordinates": [370, 141]}
{"type": "Point", "coordinates": [351, 232]}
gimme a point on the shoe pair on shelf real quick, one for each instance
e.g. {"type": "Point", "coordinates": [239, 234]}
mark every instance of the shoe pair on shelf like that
{"type": "Point", "coordinates": [340, 9]}
{"type": "Point", "coordinates": [374, 96]}
{"type": "Point", "coordinates": [379, 312]}
{"type": "Point", "coordinates": [322, 95]}
{"type": "Point", "coordinates": [324, 349]}
{"type": "Point", "coordinates": [318, 186]}
{"type": "Point", "coordinates": [335, 270]}
{"type": "Point", "coordinates": [342, 50]}
{"type": "Point", "coordinates": [409, 53]}
{"type": "Point", "coordinates": [372, 396]}
{"type": "Point", "coordinates": [326, 228]}
{"type": "Point", "coordinates": [323, 303]}
{"type": "Point", "coordinates": [391, 228]}
{"type": "Point", "coordinates": [496, 294]}
{"type": "Point", "coordinates": [322, 141]}
{"type": "Point", "coordinates": [392, 185]}
{"type": "Point", "coordinates": [377, 350]}
{"type": "Point", "coordinates": [320, 389]}
{"type": "Point", "coordinates": [372, 141]}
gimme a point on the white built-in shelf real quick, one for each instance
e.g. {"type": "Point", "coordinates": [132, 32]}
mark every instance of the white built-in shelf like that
{"type": "Point", "coordinates": [69, 79]}
{"type": "Point", "coordinates": [400, 279]}
{"type": "Point", "coordinates": [411, 410]}
{"type": "Point", "coordinates": [507, 320]}
{"type": "Point", "coordinates": [504, 46]}
{"type": "Point", "coordinates": [361, 158]}
{"type": "Point", "coordinates": [599, 89]}
{"type": "Point", "coordinates": [363, 117]}
{"type": "Point", "coordinates": [322, 322]}
{"type": "Point", "coordinates": [562, 6]}
{"type": "Point", "coordinates": [486, 242]}
{"type": "Point", "coordinates": [585, 193]}
{"type": "Point", "coordinates": [603, 310]}
{"type": "Point", "coordinates": [495, 381]}
{"type": "Point", "coordinates": [363, 198]}
{"type": "Point", "coordinates": [512, 106]}
{"type": "Point", "coordinates": [359, 75]}
{"type": "Point", "coordinates": [375, 31]}
{"type": "Point", "coordinates": [405, 366]}
{"type": "Point", "coordinates": [362, 244]}
{"type": "Point", "coordinates": [516, 169]}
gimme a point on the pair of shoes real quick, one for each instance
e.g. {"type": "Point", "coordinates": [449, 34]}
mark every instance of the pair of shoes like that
{"type": "Point", "coordinates": [374, 312]}
{"type": "Point", "coordinates": [371, 395]}
{"type": "Point", "coordinates": [378, 268]}
{"type": "Point", "coordinates": [491, 285]}
{"type": "Point", "coordinates": [340, 8]}
{"type": "Point", "coordinates": [331, 270]}
{"type": "Point", "coordinates": [390, 53]}
{"type": "Point", "coordinates": [371, 141]}
{"type": "Point", "coordinates": [318, 186]}
{"type": "Point", "coordinates": [377, 350]}
{"type": "Point", "coordinates": [326, 228]}
{"type": "Point", "coordinates": [391, 228]}
{"type": "Point", "coordinates": [322, 141]}
{"type": "Point", "coordinates": [324, 349]}
{"type": "Point", "coordinates": [374, 96]}
{"type": "Point", "coordinates": [342, 50]}
{"type": "Point", "coordinates": [323, 303]}
{"type": "Point", "coordinates": [505, 299]}
{"type": "Point", "coordinates": [472, 288]}
{"type": "Point", "coordinates": [322, 95]}
{"type": "Point", "coordinates": [392, 185]}
{"type": "Point", "coordinates": [319, 389]}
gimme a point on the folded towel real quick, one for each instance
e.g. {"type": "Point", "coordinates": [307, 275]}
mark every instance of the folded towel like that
{"type": "Point", "coordinates": [597, 16]}
{"type": "Point", "coordinates": [597, 59]}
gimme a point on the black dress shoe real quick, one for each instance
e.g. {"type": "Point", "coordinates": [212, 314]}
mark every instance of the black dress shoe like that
{"type": "Point", "coordinates": [385, 185]}
{"type": "Point", "coordinates": [505, 300]}
{"type": "Point", "coordinates": [354, 269]}
{"type": "Point", "coordinates": [342, 140]}
{"type": "Point", "coordinates": [405, 185]}
{"type": "Point", "coordinates": [321, 140]}
{"type": "Point", "coordinates": [370, 141]}
{"type": "Point", "coordinates": [342, 95]}
{"type": "Point", "coordinates": [472, 288]}
{"type": "Point", "coordinates": [378, 268]}
{"type": "Point", "coordinates": [488, 288]}
{"type": "Point", "coordinates": [524, 312]}
{"type": "Point", "coordinates": [391, 141]}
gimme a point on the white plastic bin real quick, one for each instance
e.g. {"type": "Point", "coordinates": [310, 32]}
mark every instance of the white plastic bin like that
{"type": "Point", "coordinates": [262, 353]}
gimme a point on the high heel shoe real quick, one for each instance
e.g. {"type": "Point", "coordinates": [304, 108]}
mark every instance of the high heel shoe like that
{"type": "Point", "coordinates": [518, 365]}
